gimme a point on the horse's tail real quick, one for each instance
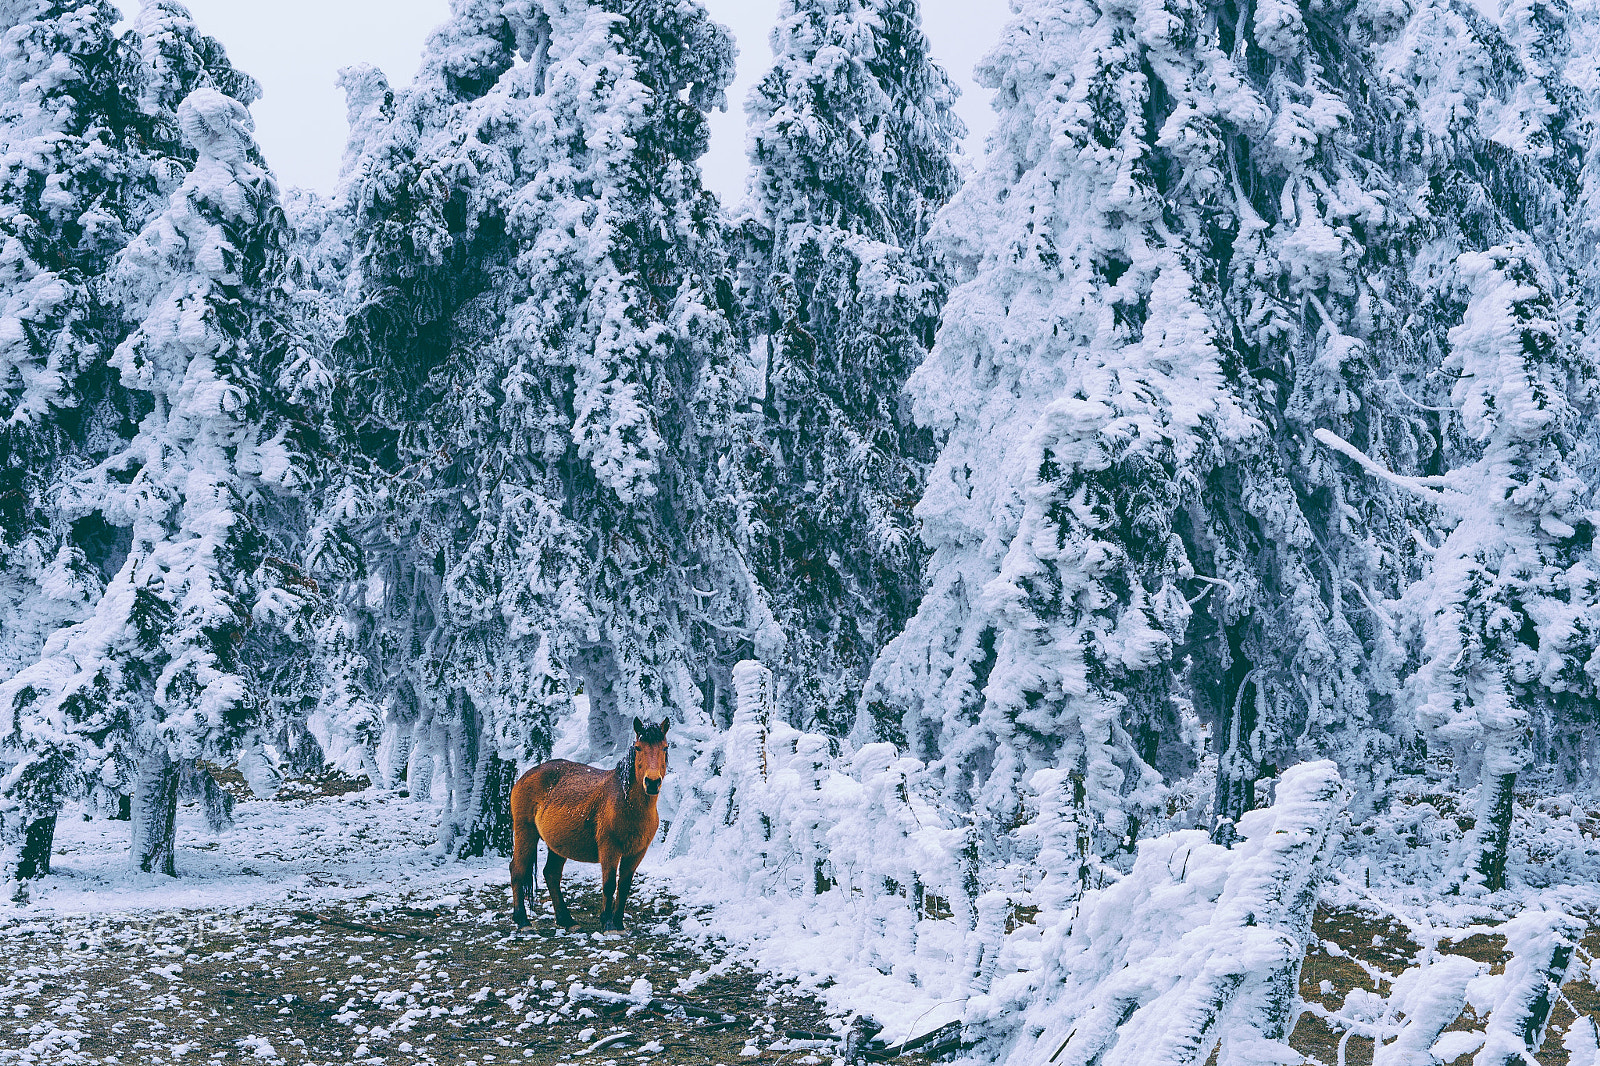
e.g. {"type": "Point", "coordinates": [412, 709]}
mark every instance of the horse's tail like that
{"type": "Point", "coordinates": [524, 858]}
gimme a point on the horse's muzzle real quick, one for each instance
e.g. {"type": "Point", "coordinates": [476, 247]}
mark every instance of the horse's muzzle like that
{"type": "Point", "coordinates": [652, 786]}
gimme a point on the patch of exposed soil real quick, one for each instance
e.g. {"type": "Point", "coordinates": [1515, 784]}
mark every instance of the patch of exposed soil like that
{"type": "Point", "coordinates": [1360, 949]}
{"type": "Point", "coordinates": [389, 984]}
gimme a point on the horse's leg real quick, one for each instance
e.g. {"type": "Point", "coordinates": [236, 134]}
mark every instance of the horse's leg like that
{"type": "Point", "coordinates": [524, 853]}
{"type": "Point", "coordinates": [629, 864]}
{"type": "Point", "coordinates": [609, 861]}
{"type": "Point", "coordinates": [552, 879]}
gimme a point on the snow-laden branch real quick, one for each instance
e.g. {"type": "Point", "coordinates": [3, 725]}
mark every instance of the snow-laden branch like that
{"type": "Point", "coordinates": [1199, 947]}
{"type": "Point", "coordinates": [1432, 489]}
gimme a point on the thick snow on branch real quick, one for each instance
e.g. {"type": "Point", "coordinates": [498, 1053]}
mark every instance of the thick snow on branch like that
{"type": "Point", "coordinates": [1199, 946]}
{"type": "Point", "coordinates": [846, 864]}
{"type": "Point", "coordinates": [1541, 943]}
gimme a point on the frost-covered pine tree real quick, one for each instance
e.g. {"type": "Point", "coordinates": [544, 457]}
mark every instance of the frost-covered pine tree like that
{"type": "Point", "coordinates": [66, 196]}
{"type": "Point", "coordinates": [1084, 391]}
{"type": "Point", "coordinates": [850, 139]}
{"type": "Point", "coordinates": [155, 674]}
{"type": "Point", "coordinates": [1356, 199]}
{"type": "Point", "coordinates": [1317, 214]}
{"type": "Point", "coordinates": [88, 158]}
{"type": "Point", "coordinates": [542, 337]}
{"type": "Point", "coordinates": [1449, 354]}
{"type": "Point", "coordinates": [1508, 615]}
{"type": "Point", "coordinates": [410, 273]}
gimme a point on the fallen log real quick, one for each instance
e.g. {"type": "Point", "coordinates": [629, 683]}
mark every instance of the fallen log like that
{"type": "Point", "coordinates": [605, 1042]}
{"type": "Point", "coordinates": [936, 1042]}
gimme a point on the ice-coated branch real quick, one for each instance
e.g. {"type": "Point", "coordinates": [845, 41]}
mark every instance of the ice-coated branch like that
{"type": "Point", "coordinates": [1428, 997]}
{"type": "Point", "coordinates": [1180, 959]}
{"type": "Point", "coordinates": [1541, 943]}
{"type": "Point", "coordinates": [1429, 488]}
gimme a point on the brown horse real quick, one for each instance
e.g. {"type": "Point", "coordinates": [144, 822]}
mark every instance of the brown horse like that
{"type": "Point", "coordinates": [588, 815]}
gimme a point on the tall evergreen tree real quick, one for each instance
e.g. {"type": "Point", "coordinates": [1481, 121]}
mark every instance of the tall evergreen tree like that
{"type": "Point", "coordinates": [1207, 236]}
{"type": "Point", "coordinates": [155, 673]}
{"type": "Point", "coordinates": [1084, 392]}
{"type": "Point", "coordinates": [542, 334]}
{"type": "Point", "coordinates": [90, 154]}
{"type": "Point", "coordinates": [851, 135]}
{"type": "Point", "coordinates": [1507, 617]}
{"type": "Point", "coordinates": [67, 197]}
{"type": "Point", "coordinates": [1354, 200]}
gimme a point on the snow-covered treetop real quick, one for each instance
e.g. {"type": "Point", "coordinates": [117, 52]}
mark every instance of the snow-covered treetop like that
{"type": "Point", "coordinates": [178, 59]}
{"type": "Point", "coordinates": [852, 106]}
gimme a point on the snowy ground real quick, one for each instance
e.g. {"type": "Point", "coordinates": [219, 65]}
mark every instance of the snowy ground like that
{"type": "Point", "coordinates": [321, 929]}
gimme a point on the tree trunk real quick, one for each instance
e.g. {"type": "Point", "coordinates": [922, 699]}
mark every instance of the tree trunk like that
{"type": "Point", "coordinates": [301, 752]}
{"type": "Point", "coordinates": [155, 814]}
{"type": "Point", "coordinates": [1492, 831]}
{"type": "Point", "coordinates": [419, 777]}
{"type": "Point", "coordinates": [491, 825]}
{"type": "Point", "coordinates": [37, 841]}
{"type": "Point", "coordinates": [196, 782]}
{"type": "Point", "coordinates": [1541, 946]}
{"type": "Point", "coordinates": [1236, 763]}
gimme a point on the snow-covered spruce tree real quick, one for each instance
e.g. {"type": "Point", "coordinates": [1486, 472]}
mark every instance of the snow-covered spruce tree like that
{"type": "Point", "coordinates": [1080, 381]}
{"type": "Point", "coordinates": [541, 343]}
{"type": "Point", "coordinates": [85, 164]}
{"type": "Point", "coordinates": [850, 138]}
{"type": "Point", "coordinates": [1469, 322]}
{"type": "Point", "coordinates": [1356, 201]}
{"type": "Point", "coordinates": [1317, 208]}
{"type": "Point", "coordinates": [321, 284]}
{"type": "Point", "coordinates": [64, 182]}
{"type": "Point", "coordinates": [412, 270]}
{"type": "Point", "coordinates": [1507, 616]}
{"type": "Point", "coordinates": [155, 674]}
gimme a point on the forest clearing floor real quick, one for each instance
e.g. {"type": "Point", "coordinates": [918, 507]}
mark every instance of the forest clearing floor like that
{"type": "Point", "coordinates": [320, 930]}
{"type": "Point", "coordinates": [323, 929]}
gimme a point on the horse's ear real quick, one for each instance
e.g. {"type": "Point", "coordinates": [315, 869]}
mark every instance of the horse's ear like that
{"type": "Point", "coordinates": [638, 727]}
{"type": "Point", "coordinates": [665, 722]}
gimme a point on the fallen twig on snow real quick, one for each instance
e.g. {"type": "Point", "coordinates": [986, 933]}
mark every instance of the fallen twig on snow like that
{"type": "Point", "coordinates": [945, 1038]}
{"type": "Point", "coordinates": [605, 1042]}
{"type": "Point", "coordinates": [604, 995]}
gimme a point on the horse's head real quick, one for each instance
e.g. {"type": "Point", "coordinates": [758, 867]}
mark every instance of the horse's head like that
{"type": "Point", "coordinates": [650, 754]}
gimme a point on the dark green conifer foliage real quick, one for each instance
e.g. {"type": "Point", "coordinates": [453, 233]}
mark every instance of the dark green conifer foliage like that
{"type": "Point", "coordinates": [851, 135]}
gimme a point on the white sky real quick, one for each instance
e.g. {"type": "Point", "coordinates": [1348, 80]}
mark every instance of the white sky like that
{"type": "Point", "coordinates": [294, 47]}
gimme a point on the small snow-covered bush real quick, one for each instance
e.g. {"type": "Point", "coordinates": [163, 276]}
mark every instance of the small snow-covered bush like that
{"type": "Point", "coordinates": [1199, 945]}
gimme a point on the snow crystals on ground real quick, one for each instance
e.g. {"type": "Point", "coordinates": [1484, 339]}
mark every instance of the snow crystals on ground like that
{"type": "Point", "coordinates": [327, 929]}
